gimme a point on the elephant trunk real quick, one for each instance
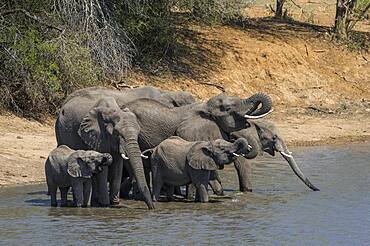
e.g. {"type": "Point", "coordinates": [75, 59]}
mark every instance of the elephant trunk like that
{"type": "Point", "coordinates": [256, 100]}
{"type": "Point", "coordinates": [134, 154]}
{"type": "Point", "coordinates": [283, 149]}
{"type": "Point", "coordinates": [254, 147]}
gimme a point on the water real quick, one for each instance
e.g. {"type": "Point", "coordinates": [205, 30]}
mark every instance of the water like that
{"type": "Point", "coordinates": [280, 211]}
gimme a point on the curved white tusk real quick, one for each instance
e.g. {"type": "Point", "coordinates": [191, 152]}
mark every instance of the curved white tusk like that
{"type": "Point", "coordinates": [144, 156]}
{"type": "Point", "coordinates": [235, 154]}
{"type": "Point", "coordinates": [286, 155]}
{"type": "Point", "coordinates": [257, 116]}
{"type": "Point", "coordinates": [125, 157]}
{"type": "Point", "coordinates": [250, 146]}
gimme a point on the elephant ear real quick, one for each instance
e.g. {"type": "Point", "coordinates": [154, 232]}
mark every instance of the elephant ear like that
{"type": "Point", "coordinates": [197, 128]}
{"type": "Point", "coordinates": [77, 168]}
{"type": "Point", "coordinates": [199, 157]}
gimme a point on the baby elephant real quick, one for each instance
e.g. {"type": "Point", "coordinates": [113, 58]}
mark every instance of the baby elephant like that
{"type": "Point", "coordinates": [66, 167]}
{"type": "Point", "coordinates": [176, 162]}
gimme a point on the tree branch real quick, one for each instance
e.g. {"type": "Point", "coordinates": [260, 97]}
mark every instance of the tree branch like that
{"type": "Point", "coordinates": [360, 16]}
{"type": "Point", "coordinates": [31, 16]}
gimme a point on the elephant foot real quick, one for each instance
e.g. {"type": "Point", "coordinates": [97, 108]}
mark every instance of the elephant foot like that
{"type": "Point", "coordinates": [245, 189]}
{"type": "Point", "coordinates": [114, 201]}
{"type": "Point", "coordinates": [219, 192]}
{"type": "Point", "coordinates": [104, 205]}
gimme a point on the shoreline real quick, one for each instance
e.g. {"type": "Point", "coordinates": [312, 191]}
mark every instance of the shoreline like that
{"type": "Point", "coordinates": [25, 144]}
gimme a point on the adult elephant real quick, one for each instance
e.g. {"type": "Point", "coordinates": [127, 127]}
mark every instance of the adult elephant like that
{"type": "Point", "coordinates": [270, 141]}
{"type": "Point", "coordinates": [78, 104]}
{"type": "Point", "coordinates": [157, 122]}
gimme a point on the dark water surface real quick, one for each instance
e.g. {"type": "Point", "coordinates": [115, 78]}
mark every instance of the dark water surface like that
{"type": "Point", "coordinates": [280, 211]}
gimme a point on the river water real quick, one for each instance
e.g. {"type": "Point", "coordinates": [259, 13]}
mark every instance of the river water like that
{"type": "Point", "coordinates": [280, 211]}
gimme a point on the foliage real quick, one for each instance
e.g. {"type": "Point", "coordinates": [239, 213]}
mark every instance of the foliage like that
{"type": "Point", "coordinates": [214, 11]}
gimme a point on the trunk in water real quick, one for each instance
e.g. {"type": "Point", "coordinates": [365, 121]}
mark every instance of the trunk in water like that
{"type": "Point", "coordinates": [134, 154]}
{"type": "Point", "coordinates": [279, 8]}
{"type": "Point", "coordinates": [283, 149]}
{"type": "Point", "coordinates": [343, 15]}
{"type": "Point", "coordinates": [298, 172]}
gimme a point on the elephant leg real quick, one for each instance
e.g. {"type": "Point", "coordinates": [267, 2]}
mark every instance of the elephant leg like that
{"type": "Point", "coordinates": [77, 186]}
{"type": "Point", "coordinates": [94, 201]}
{"type": "Point", "coordinates": [53, 196]}
{"type": "Point", "coordinates": [126, 187]}
{"type": "Point", "coordinates": [215, 183]}
{"type": "Point", "coordinates": [201, 192]}
{"type": "Point", "coordinates": [86, 192]}
{"type": "Point", "coordinates": [170, 192]}
{"type": "Point", "coordinates": [200, 179]}
{"type": "Point", "coordinates": [63, 196]}
{"type": "Point", "coordinates": [244, 170]}
{"type": "Point", "coordinates": [190, 191]}
{"type": "Point", "coordinates": [157, 183]}
{"type": "Point", "coordinates": [100, 195]}
{"type": "Point", "coordinates": [115, 174]}
{"type": "Point", "coordinates": [147, 178]}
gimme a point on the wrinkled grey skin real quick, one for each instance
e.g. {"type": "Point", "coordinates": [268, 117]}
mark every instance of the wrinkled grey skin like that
{"type": "Point", "coordinates": [79, 107]}
{"type": "Point", "coordinates": [269, 141]}
{"type": "Point", "coordinates": [67, 168]}
{"type": "Point", "coordinates": [177, 162]}
{"type": "Point", "coordinates": [157, 122]}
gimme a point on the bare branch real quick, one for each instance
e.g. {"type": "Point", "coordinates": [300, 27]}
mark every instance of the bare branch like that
{"type": "Point", "coordinates": [360, 17]}
{"type": "Point", "coordinates": [31, 16]}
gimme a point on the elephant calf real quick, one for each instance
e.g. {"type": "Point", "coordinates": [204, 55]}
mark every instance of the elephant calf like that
{"type": "Point", "coordinates": [176, 162]}
{"type": "Point", "coordinates": [66, 167]}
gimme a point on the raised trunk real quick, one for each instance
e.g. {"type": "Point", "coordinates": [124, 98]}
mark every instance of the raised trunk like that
{"type": "Point", "coordinates": [253, 152]}
{"type": "Point", "coordinates": [256, 100]}
{"type": "Point", "coordinates": [134, 154]}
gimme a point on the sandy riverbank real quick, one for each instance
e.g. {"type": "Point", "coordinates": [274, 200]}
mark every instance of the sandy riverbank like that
{"type": "Point", "coordinates": [24, 144]}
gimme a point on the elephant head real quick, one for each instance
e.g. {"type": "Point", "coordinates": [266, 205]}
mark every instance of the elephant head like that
{"type": "Point", "coordinates": [215, 154]}
{"type": "Point", "coordinates": [230, 113]}
{"type": "Point", "coordinates": [107, 128]}
{"type": "Point", "coordinates": [83, 164]}
{"type": "Point", "coordinates": [222, 115]}
{"type": "Point", "coordinates": [271, 142]}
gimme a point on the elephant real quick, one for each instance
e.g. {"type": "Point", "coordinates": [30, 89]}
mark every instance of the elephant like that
{"type": "Point", "coordinates": [156, 121]}
{"type": "Point", "coordinates": [169, 98]}
{"type": "Point", "coordinates": [78, 104]}
{"type": "Point", "coordinates": [270, 141]}
{"type": "Point", "coordinates": [65, 168]}
{"type": "Point", "coordinates": [176, 162]}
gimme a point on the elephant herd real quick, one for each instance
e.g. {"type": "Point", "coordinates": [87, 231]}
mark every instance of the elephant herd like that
{"type": "Point", "coordinates": [110, 142]}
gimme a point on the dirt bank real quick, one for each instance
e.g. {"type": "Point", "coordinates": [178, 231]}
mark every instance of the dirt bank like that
{"type": "Point", "coordinates": [320, 90]}
{"type": "Point", "coordinates": [24, 145]}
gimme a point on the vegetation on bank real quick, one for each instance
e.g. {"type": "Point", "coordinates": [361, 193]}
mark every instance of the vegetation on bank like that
{"type": "Point", "coordinates": [49, 48]}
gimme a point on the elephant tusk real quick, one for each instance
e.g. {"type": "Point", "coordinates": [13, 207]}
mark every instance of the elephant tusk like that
{"type": "Point", "coordinates": [125, 157]}
{"type": "Point", "coordinates": [144, 156]}
{"type": "Point", "coordinates": [257, 116]}
{"type": "Point", "coordinates": [235, 154]}
{"type": "Point", "coordinates": [250, 146]}
{"type": "Point", "coordinates": [286, 155]}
